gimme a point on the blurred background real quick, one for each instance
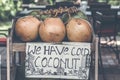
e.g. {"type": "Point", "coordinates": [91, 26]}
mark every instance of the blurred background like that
{"type": "Point", "coordinates": [9, 8]}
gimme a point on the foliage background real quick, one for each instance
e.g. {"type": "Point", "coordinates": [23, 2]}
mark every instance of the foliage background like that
{"type": "Point", "coordinates": [8, 9]}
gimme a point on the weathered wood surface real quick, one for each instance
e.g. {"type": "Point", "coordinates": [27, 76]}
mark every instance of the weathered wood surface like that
{"type": "Point", "coordinates": [19, 47]}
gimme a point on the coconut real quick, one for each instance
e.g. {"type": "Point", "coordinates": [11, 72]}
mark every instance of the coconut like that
{"type": "Point", "coordinates": [26, 28]}
{"type": "Point", "coordinates": [52, 30]}
{"type": "Point", "coordinates": [79, 30]}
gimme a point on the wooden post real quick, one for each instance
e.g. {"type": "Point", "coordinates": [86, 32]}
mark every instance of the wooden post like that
{"type": "Point", "coordinates": [96, 59]}
{"type": "Point", "coordinates": [8, 59]}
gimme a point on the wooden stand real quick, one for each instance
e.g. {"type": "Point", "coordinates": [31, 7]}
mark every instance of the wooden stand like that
{"type": "Point", "coordinates": [14, 46]}
{"type": "Point", "coordinates": [20, 47]}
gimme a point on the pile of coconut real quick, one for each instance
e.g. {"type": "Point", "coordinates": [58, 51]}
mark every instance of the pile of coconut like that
{"type": "Point", "coordinates": [53, 29]}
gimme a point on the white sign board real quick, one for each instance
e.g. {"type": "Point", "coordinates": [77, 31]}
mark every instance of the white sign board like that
{"type": "Point", "coordinates": [63, 60]}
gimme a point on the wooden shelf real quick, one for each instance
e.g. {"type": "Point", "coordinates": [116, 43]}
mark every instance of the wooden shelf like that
{"type": "Point", "coordinates": [19, 47]}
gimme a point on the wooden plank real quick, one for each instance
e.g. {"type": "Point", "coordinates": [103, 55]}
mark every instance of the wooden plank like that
{"type": "Point", "coordinates": [13, 72]}
{"type": "Point", "coordinates": [8, 59]}
{"type": "Point", "coordinates": [96, 59]}
{"type": "Point", "coordinates": [19, 47]}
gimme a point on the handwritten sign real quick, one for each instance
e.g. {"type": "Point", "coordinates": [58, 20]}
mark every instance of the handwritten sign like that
{"type": "Point", "coordinates": [63, 60]}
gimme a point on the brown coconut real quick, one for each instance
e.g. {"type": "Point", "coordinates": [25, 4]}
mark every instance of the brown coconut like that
{"type": "Point", "coordinates": [52, 30]}
{"type": "Point", "coordinates": [79, 30]}
{"type": "Point", "coordinates": [26, 28]}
